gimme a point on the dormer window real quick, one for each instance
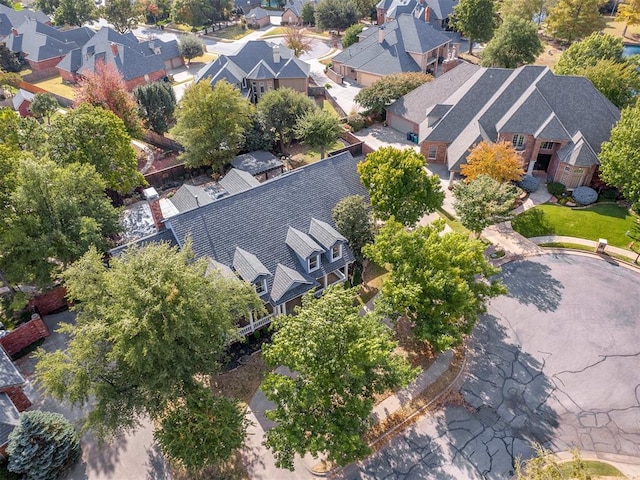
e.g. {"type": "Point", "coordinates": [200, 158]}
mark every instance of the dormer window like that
{"type": "Point", "coordinates": [260, 286]}
{"type": "Point", "coordinates": [313, 263]}
{"type": "Point", "coordinates": [336, 252]}
{"type": "Point", "coordinates": [518, 141]}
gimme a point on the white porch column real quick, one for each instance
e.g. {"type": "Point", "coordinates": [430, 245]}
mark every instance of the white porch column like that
{"type": "Point", "coordinates": [324, 281]}
{"type": "Point", "coordinates": [253, 328]}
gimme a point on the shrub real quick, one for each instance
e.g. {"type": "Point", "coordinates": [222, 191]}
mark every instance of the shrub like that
{"type": "Point", "coordinates": [529, 183]}
{"type": "Point", "coordinates": [356, 122]}
{"type": "Point", "coordinates": [42, 446]}
{"type": "Point", "coordinates": [356, 278]}
{"type": "Point", "coordinates": [585, 195]}
{"type": "Point", "coordinates": [609, 194]}
{"type": "Point", "coordinates": [556, 189]}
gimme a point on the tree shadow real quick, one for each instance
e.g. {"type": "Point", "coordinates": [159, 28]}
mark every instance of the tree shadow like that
{"type": "Point", "coordinates": [157, 468]}
{"type": "Point", "coordinates": [530, 283]}
{"type": "Point", "coordinates": [532, 223]}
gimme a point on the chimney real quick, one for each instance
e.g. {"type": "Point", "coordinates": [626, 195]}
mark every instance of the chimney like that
{"type": "Point", "coordinates": [276, 54]}
{"type": "Point", "coordinates": [427, 14]}
{"type": "Point", "coordinates": [381, 34]}
{"type": "Point", "coordinates": [14, 32]}
{"type": "Point", "coordinates": [153, 199]}
{"type": "Point", "coordinates": [114, 49]}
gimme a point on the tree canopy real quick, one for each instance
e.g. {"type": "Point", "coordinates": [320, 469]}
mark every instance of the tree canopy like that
{"type": "Point", "coordinates": [96, 136]}
{"type": "Point", "coordinates": [620, 156]}
{"type": "Point", "coordinates": [341, 361]}
{"type": "Point", "coordinates": [515, 43]}
{"type": "Point", "coordinates": [56, 214]}
{"type": "Point", "coordinates": [587, 52]}
{"type": "Point", "coordinates": [499, 161]}
{"type": "Point", "coordinates": [399, 185]}
{"type": "Point", "coordinates": [210, 123]}
{"type": "Point", "coordinates": [156, 104]}
{"type": "Point", "coordinates": [441, 282]}
{"type": "Point", "coordinates": [42, 445]}
{"type": "Point", "coordinates": [105, 88]}
{"type": "Point", "coordinates": [629, 13]}
{"type": "Point", "coordinates": [382, 93]}
{"type": "Point", "coordinates": [44, 105]}
{"type": "Point", "coordinates": [350, 35]}
{"type": "Point", "coordinates": [525, 9]}
{"type": "Point", "coordinates": [9, 61]}
{"type": "Point", "coordinates": [149, 329]}
{"type": "Point", "coordinates": [483, 202]}
{"type": "Point", "coordinates": [296, 40]}
{"type": "Point", "coordinates": [121, 14]}
{"type": "Point", "coordinates": [336, 14]}
{"type": "Point", "coordinates": [353, 219]}
{"type": "Point", "coordinates": [308, 14]}
{"type": "Point", "coordinates": [318, 129]}
{"type": "Point", "coordinates": [571, 20]}
{"type": "Point", "coordinates": [475, 19]}
{"type": "Point", "coordinates": [74, 12]}
{"type": "Point", "coordinates": [280, 110]}
{"type": "Point", "coordinates": [190, 47]}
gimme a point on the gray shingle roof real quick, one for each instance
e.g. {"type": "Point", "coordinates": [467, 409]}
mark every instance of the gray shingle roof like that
{"type": "Point", "coordinates": [258, 220]}
{"type": "Point", "coordinates": [302, 244]}
{"type": "Point", "coordinates": [22, 96]}
{"type": "Point", "coordinates": [286, 278]}
{"type": "Point", "coordinates": [261, 71]}
{"type": "Point", "coordinates": [236, 181]}
{"type": "Point", "coordinates": [440, 9]}
{"type": "Point", "coordinates": [188, 197]}
{"type": "Point", "coordinates": [9, 374]}
{"type": "Point", "coordinates": [9, 418]}
{"type": "Point", "coordinates": [294, 68]}
{"type": "Point", "coordinates": [258, 13]}
{"type": "Point", "coordinates": [248, 266]}
{"type": "Point", "coordinates": [256, 162]}
{"type": "Point", "coordinates": [552, 129]}
{"type": "Point", "coordinates": [402, 35]}
{"type": "Point", "coordinates": [578, 152]}
{"type": "Point", "coordinates": [296, 6]}
{"type": "Point", "coordinates": [325, 234]}
{"type": "Point", "coordinates": [163, 236]}
{"type": "Point", "coordinates": [10, 18]}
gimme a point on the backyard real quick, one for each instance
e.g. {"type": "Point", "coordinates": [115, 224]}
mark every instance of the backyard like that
{"type": "Point", "coordinates": [56, 85]}
{"type": "Point", "coordinates": [604, 220]}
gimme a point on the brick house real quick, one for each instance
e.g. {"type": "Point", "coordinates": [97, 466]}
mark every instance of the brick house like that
{"type": "Point", "coordinates": [277, 235]}
{"type": "Point", "coordinates": [435, 12]}
{"type": "Point", "coordinates": [43, 46]}
{"type": "Point", "coordinates": [405, 44]}
{"type": "Point", "coordinates": [10, 19]}
{"type": "Point", "coordinates": [258, 17]}
{"type": "Point", "coordinates": [137, 62]}
{"type": "Point", "coordinates": [12, 399]}
{"type": "Point", "coordinates": [259, 66]}
{"type": "Point", "coordinates": [22, 103]}
{"type": "Point", "coordinates": [556, 123]}
{"type": "Point", "coordinates": [292, 14]}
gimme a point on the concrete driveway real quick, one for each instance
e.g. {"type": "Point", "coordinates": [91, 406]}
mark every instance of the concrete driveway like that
{"type": "Point", "coordinates": [554, 361]}
{"type": "Point", "coordinates": [130, 457]}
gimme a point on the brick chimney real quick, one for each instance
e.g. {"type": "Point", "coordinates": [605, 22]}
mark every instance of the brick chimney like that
{"type": "Point", "coordinates": [381, 34]}
{"type": "Point", "coordinates": [14, 32]}
{"type": "Point", "coordinates": [276, 53]}
{"type": "Point", "coordinates": [153, 199]}
{"type": "Point", "coordinates": [114, 49]}
{"type": "Point", "coordinates": [427, 14]}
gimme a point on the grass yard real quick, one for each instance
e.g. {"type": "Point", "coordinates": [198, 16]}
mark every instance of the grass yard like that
{"type": "Point", "coordinates": [595, 469]}
{"type": "Point", "coordinates": [616, 28]}
{"type": "Point", "coordinates": [55, 85]}
{"type": "Point", "coordinates": [608, 221]}
{"type": "Point", "coordinates": [327, 107]}
{"type": "Point", "coordinates": [302, 154]}
{"type": "Point", "coordinates": [232, 32]}
{"type": "Point", "coordinates": [275, 32]}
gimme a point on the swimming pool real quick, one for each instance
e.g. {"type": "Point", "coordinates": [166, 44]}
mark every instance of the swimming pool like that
{"type": "Point", "coordinates": [631, 50]}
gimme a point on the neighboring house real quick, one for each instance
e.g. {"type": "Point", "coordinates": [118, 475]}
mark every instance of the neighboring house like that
{"type": "Point", "coordinates": [258, 17]}
{"type": "Point", "coordinates": [43, 46]}
{"type": "Point", "coordinates": [292, 14]}
{"type": "Point", "coordinates": [22, 102]}
{"type": "Point", "coordinates": [236, 181]}
{"type": "Point", "coordinates": [405, 44]}
{"type": "Point", "coordinates": [435, 12]}
{"type": "Point", "coordinates": [12, 399]}
{"type": "Point", "coordinates": [557, 123]}
{"type": "Point", "coordinates": [10, 18]}
{"type": "Point", "coordinates": [277, 235]}
{"type": "Point", "coordinates": [137, 62]}
{"type": "Point", "coordinates": [242, 7]}
{"type": "Point", "coordinates": [259, 66]}
{"type": "Point", "coordinates": [262, 165]}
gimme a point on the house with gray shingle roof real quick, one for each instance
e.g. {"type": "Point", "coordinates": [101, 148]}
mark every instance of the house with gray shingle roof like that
{"type": "Point", "coordinates": [435, 12]}
{"type": "Point", "coordinates": [277, 235]}
{"type": "Point", "coordinates": [403, 45]}
{"type": "Point", "coordinates": [292, 14]}
{"type": "Point", "coordinates": [259, 66]}
{"type": "Point", "coordinates": [557, 123]}
{"type": "Point", "coordinates": [11, 382]}
{"type": "Point", "coordinates": [10, 18]}
{"type": "Point", "coordinates": [22, 102]}
{"type": "Point", "coordinates": [137, 62]}
{"type": "Point", "coordinates": [261, 164]}
{"type": "Point", "coordinates": [258, 17]}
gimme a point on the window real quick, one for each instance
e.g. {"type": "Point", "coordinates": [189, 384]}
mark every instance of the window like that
{"type": "Point", "coordinates": [260, 286]}
{"type": "Point", "coordinates": [518, 141]}
{"type": "Point", "coordinates": [546, 145]}
{"type": "Point", "coordinates": [313, 263]}
{"type": "Point", "coordinates": [336, 252]}
{"type": "Point", "coordinates": [433, 152]}
{"type": "Point", "coordinates": [261, 87]}
{"type": "Point", "coordinates": [567, 168]}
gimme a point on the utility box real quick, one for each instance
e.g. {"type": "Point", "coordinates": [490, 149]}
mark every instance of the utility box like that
{"type": "Point", "coordinates": [602, 244]}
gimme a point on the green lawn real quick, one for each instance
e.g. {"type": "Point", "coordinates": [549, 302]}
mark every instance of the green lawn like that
{"type": "Point", "coordinates": [598, 221]}
{"type": "Point", "coordinates": [55, 85]}
{"type": "Point", "coordinates": [594, 468]}
{"type": "Point", "coordinates": [327, 107]}
{"type": "Point", "coordinates": [275, 32]}
{"type": "Point", "coordinates": [232, 32]}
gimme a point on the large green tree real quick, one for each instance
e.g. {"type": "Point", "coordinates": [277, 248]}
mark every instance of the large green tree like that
{"type": "Point", "coordinates": [96, 136]}
{"type": "Point", "coordinates": [44, 105]}
{"type": "Point", "coordinates": [382, 93]}
{"type": "Point", "coordinates": [56, 214]}
{"type": "Point", "coordinates": [353, 219]}
{"type": "Point", "coordinates": [75, 12]}
{"type": "Point", "coordinates": [588, 52]}
{"type": "Point", "coordinates": [350, 35]}
{"type": "Point", "coordinates": [483, 202]}
{"type": "Point", "coordinates": [9, 61]}
{"type": "Point", "coordinates": [515, 43]}
{"type": "Point", "coordinates": [336, 14]}
{"type": "Point", "coordinates": [150, 329]}
{"type": "Point", "coordinates": [341, 362]}
{"type": "Point", "coordinates": [319, 129]}
{"type": "Point", "coordinates": [475, 19]}
{"type": "Point", "coordinates": [121, 14]}
{"type": "Point", "coordinates": [399, 185]}
{"type": "Point", "coordinates": [47, 6]}
{"type": "Point", "coordinates": [210, 123]}
{"type": "Point", "coordinates": [190, 47]}
{"type": "Point", "coordinates": [629, 13]}
{"type": "Point", "coordinates": [618, 81]}
{"type": "Point", "coordinates": [42, 446]}
{"type": "Point", "coordinates": [280, 110]}
{"type": "Point", "coordinates": [441, 282]}
{"type": "Point", "coordinates": [526, 9]}
{"type": "Point", "coordinates": [571, 20]}
{"type": "Point", "coordinates": [620, 156]}
{"type": "Point", "coordinates": [156, 104]}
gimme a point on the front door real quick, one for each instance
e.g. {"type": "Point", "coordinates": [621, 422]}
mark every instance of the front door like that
{"type": "Point", "coordinates": [542, 162]}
